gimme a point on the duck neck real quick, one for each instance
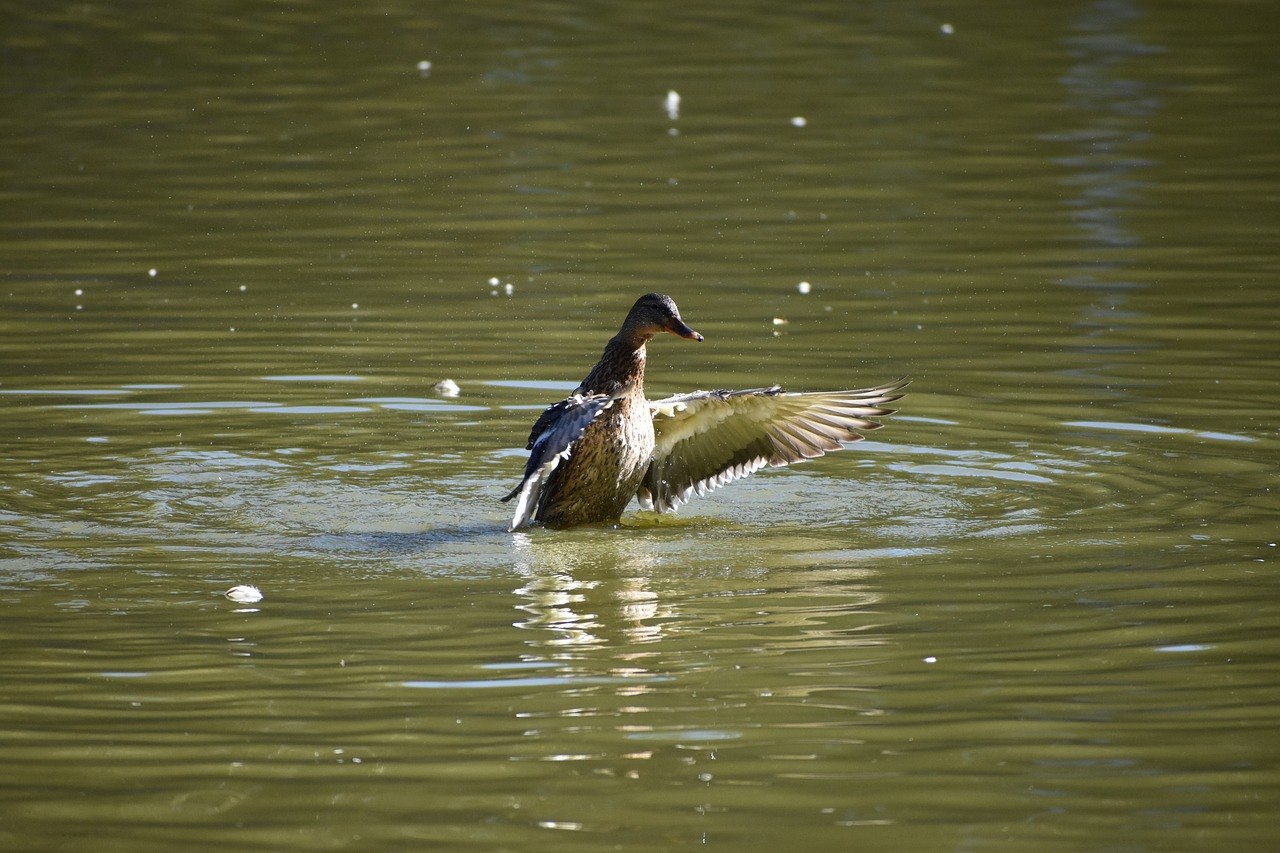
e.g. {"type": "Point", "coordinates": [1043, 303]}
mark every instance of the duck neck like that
{"type": "Point", "coordinates": [620, 369]}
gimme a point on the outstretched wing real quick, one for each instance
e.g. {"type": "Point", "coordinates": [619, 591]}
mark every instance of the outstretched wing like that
{"type": "Point", "coordinates": [552, 442]}
{"type": "Point", "coordinates": [709, 438]}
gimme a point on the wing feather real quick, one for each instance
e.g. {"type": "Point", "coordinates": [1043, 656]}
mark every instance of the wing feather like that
{"type": "Point", "coordinates": [707, 439]}
{"type": "Point", "coordinates": [551, 442]}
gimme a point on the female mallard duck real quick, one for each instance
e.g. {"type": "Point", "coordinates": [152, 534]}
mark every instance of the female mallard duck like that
{"type": "Point", "coordinates": [606, 443]}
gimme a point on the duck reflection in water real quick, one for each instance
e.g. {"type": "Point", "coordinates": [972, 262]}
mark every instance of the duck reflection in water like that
{"type": "Point", "coordinates": [562, 596]}
{"type": "Point", "coordinates": [605, 444]}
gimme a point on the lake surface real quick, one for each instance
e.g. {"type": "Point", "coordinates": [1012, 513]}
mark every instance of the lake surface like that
{"type": "Point", "coordinates": [241, 242]}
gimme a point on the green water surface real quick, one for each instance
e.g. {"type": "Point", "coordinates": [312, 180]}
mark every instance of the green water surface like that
{"type": "Point", "coordinates": [240, 242]}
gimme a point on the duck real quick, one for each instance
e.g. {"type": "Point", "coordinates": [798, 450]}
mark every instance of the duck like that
{"type": "Point", "coordinates": [606, 444]}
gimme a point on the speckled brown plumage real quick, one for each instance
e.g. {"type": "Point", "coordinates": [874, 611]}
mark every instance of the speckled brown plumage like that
{"type": "Point", "coordinates": [597, 482]}
{"type": "Point", "coordinates": [605, 444]}
{"type": "Point", "coordinates": [596, 467]}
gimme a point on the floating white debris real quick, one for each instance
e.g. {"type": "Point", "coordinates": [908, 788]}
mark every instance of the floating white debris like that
{"type": "Point", "coordinates": [355, 306]}
{"type": "Point", "coordinates": [447, 388]}
{"type": "Point", "coordinates": [79, 291]}
{"type": "Point", "coordinates": [424, 66]}
{"type": "Point", "coordinates": [779, 321]}
{"type": "Point", "coordinates": [799, 121]}
{"type": "Point", "coordinates": [947, 29]}
{"type": "Point", "coordinates": [672, 104]}
{"type": "Point", "coordinates": [243, 288]}
{"type": "Point", "coordinates": [152, 272]}
{"type": "Point", "coordinates": [494, 281]}
{"type": "Point", "coordinates": [244, 594]}
{"type": "Point", "coordinates": [804, 287]}
{"type": "Point", "coordinates": [673, 131]}
{"type": "Point", "coordinates": [931, 659]}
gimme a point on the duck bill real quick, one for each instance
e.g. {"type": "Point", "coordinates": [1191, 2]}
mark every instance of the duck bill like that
{"type": "Point", "coordinates": [679, 329]}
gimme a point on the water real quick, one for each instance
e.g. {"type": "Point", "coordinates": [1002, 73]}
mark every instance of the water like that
{"type": "Point", "coordinates": [1036, 611]}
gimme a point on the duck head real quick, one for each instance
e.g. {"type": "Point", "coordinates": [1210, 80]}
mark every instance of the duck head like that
{"type": "Point", "coordinates": [652, 315]}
